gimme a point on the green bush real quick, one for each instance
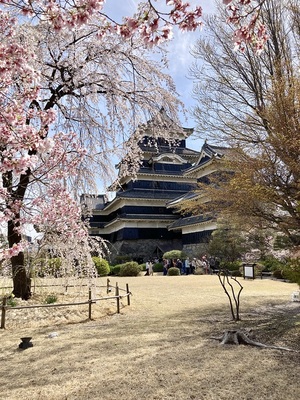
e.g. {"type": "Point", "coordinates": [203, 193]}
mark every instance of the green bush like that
{"type": "Point", "coordinates": [231, 265]}
{"type": "Point", "coordinates": [44, 267]}
{"type": "Point", "coordinates": [51, 298]}
{"type": "Point", "coordinates": [115, 269]}
{"type": "Point", "coordinates": [11, 301]}
{"type": "Point", "coordinates": [292, 271]}
{"type": "Point", "coordinates": [143, 267]}
{"type": "Point", "coordinates": [174, 254]}
{"type": "Point", "coordinates": [173, 271]}
{"type": "Point", "coordinates": [236, 273]}
{"type": "Point", "coordinates": [102, 266]}
{"type": "Point", "coordinates": [130, 268]}
{"type": "Point", "coordinates": [277, 274]}
{"type": "Point", "coordinates": [158, 267]}
{"type": "Point", "coordinates": [271, 264]}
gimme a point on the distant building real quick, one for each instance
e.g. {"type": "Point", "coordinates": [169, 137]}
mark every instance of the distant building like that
{"type": "Point", "coordinates": [141, 221]}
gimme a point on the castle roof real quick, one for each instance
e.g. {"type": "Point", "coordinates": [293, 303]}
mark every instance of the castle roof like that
{"type": "Point", "coordinates": [187, 221]}
{"type": "Point", "coordinates": [209, 154]}
{"type": "Point", "coordinates": [150, 194]}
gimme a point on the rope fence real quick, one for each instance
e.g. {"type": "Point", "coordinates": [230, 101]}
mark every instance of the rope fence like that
{"type": "Point", "coordinates": [5, 307]}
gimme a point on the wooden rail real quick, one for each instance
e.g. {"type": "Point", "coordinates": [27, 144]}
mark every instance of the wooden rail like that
{"type": "Point", "coordinates": [5, 307]}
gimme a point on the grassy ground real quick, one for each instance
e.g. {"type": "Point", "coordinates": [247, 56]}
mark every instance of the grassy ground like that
{"type": "Point", "coordinates": [158, 348]}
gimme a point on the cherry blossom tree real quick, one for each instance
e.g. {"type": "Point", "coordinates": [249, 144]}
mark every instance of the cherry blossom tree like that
{"type": "Point", "coordinates": [149, 21]}
{"type": "Point", "coordinates": [90, 89]}
{"type": "Point", "coordinates": [72, 81]}
{"type": "Point", "coordinates": [245, 15]}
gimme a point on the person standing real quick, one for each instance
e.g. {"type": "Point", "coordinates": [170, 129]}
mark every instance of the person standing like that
{"type": "Point", "coordinates": [187, 266]}
{"type": "Point", "coordinates": [193, 266]}
{"type": "Point", "coordinates": [205, 265]}
{"type": "Point", "coordinates": [150, 268]}
{"type": "Point", "coordinates": [147, 267]}
{"type": "Point", "coordinates": [165, 267]}
{"type": "Point", "coordinates": [179, 265]}
{"type": "Point", "coordinates": [212, 264]}
{"type": "Point", "coordinates": [198, 264]}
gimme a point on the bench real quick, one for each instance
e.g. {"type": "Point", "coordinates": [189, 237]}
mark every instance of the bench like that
{"type": "Point", "coordinates": [265, 273]}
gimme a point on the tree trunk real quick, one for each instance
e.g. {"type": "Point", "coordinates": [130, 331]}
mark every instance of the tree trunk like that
{"type": "Point", "coordinates": [21, 282]}
{"type": "Point", "coordinates": [238, 337]}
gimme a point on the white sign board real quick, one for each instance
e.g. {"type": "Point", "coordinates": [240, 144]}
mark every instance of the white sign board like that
{"type": "Point", "coordinates": [249, 271]}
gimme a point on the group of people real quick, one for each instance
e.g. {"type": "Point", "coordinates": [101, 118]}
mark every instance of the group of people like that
{"type": "Point", "coordinates": [190, 266]}
{"type": "Point", "coordinates": [187, 266]}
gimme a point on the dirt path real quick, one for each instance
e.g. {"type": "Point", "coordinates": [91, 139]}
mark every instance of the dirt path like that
{"type": "Point", "coordinates": [158, 348]}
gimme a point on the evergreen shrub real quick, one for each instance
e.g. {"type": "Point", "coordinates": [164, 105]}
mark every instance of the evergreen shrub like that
{"type": "Point", "coordinates": [51, 298]}
{"type": "Point", "coordinates": [158, 267]}
{"type": "Point", "coordinates": [292, 271]}
{"type": "Point", "coordinates": [173, 271]}
{"type": "Point", "coordinates": [102, 266]}
{"type": "Point", "coordinates": [271, 264]}
{"type": "Point", "coordinates": [11, 301]}
{"type": "Point", "coordinates": [236, 273]}
{"type": "Point", "coordinates": [277, 274]}
{"type": "Point", "coordinates": [131, 268]}
{"type": "Point", "coordinates": [174, 254]}
{"type": "Point", "coordinates": [231, 265]}
{"type": "Point", "coordinates": [143, 267]}
{"type": "Point", "coordinates": [115, 269]}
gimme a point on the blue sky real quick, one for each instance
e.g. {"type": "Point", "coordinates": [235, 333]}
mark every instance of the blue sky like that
{"type": "Point", "coordinates": [180, 58]}
{"type": "Point", "coordinates": [180, 62]}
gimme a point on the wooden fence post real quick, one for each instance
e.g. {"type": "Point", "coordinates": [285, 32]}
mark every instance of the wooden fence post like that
{"type": "Point", "coordinates": [3, 312]}
{"type": "Point", "coordinates": [90, 303]}
{"type": "Point", "coordinates": [107, 286]}
{"type": "Point", "coordinates": [128, 294]}
{"type": "Point", "coordinates": [118, 298]}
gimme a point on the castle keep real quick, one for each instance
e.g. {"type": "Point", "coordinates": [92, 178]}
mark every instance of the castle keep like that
{"type": "Point", "coordinates": [141, 221]}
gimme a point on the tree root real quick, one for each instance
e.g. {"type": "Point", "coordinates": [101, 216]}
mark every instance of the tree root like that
{"type": "Point", "coordinates": [239, 337]}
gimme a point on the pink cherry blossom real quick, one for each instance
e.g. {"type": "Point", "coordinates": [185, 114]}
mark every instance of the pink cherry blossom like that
{"type": "Point", "coordinates": [39, 163]}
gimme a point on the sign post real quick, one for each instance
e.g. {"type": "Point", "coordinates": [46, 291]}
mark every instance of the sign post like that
{"type": "Point", "coordinates": [248, 271]}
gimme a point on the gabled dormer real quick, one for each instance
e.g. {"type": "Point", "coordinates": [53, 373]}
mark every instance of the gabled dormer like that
{"type": "Point", "coordinates": [210, 152]}
{"type": "Point", "coordinates": [208, 161]}
{"type": "Point", "coordinates": [170, 158]}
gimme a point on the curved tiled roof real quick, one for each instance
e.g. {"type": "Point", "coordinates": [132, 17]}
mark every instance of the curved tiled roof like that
{"type": "Point", "coordinates": [193, 220]}
{"type": "Point", "coordinates": [150, 194]}
{"type": "Point", "coordinates": [167, 150]}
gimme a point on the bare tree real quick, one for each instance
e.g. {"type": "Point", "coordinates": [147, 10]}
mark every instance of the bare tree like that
{"type": "Point", "coordinates": [251, 102]}
{"type": "Point", "coordinates": [232, 293]}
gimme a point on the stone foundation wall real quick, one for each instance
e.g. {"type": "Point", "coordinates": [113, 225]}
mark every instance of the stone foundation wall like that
{"type": "Point", "coordinates": [141, 250]}
{"type": "Point", "coordinates": [195, 250]}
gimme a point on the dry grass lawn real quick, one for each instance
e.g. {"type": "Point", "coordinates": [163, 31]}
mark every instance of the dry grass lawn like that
{"type": "Point", "coordinates": [159, 348]}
